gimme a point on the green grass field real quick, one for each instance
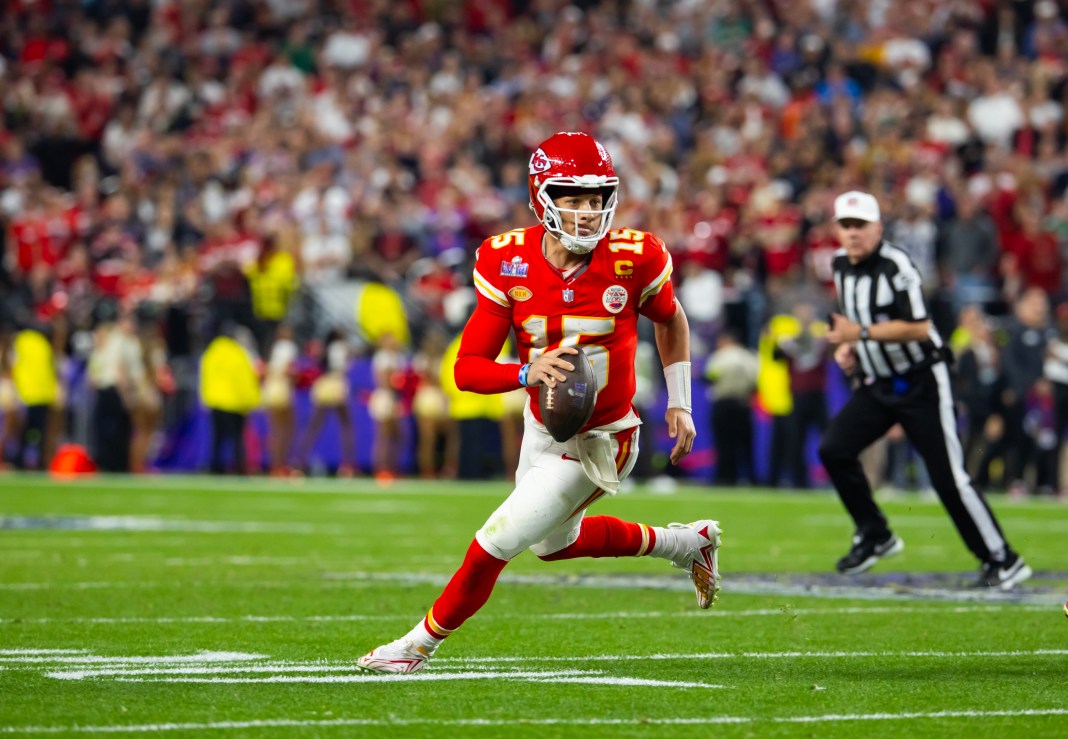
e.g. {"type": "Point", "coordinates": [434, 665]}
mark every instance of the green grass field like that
{"type": "Point", "coordinates": [196, 606]}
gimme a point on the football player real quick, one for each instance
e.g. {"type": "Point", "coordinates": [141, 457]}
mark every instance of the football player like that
{"type": "Point", "coordinates": [569, 281]}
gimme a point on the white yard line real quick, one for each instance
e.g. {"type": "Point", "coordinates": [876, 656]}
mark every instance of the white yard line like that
{"type": "Point", "coordinates": [259, 486]}
{"type": "Point", "coordinates": [240, 561]}
{"type": "Point", "coordinates": [221, 667]}
{"type": "Point", "coordinates": [74, 585]}
{"type": "Point", "coordinates": [61, 522]}
{"type": "Point", "coordinates": [563, 721]}
{"type": "Point", "coordinates": [70, 545]}
{"type": "Point", "coordinates": [180, 668]}
{"type": "Point", "coordinates": [608, 616]}
{"type": "Point", "coordinates": [591, 677]}
{"type": "Point", "coordinates": [244, 584]}
{"type": "Point", "coordinates": [935, 654]}
{"type": "Point", "coordinates": [75, 672]}
{"type": "Point", "coordinates": [82, 658]}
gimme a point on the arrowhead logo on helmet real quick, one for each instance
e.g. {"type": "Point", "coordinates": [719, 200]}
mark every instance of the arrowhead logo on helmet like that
{"type": "Point", "coordinates": [539, 162]}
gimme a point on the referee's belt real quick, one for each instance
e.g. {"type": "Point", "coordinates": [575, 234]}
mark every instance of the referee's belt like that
{"type": "Point", "coordinates": [901, 383]}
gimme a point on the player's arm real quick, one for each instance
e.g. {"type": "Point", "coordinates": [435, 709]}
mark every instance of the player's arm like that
{"type": "Point", "coordinates": [477, 369]}
{"type": "Point", "coordinates": [672, 332]}
{"type": "Point", "coordinates": [843, 330]}
{"type": "Point", "coordinates": [673, 343]}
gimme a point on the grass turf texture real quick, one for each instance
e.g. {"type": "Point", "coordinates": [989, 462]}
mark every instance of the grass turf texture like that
{"type": "Point", "coordinates": [195, 606]}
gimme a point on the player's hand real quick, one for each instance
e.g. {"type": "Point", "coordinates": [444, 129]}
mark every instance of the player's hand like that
{"type": "Point", "coordinates": [842, 330]}
{"type": "Point", "coordinates": [845, 356]}
{"type": "Point", "coordinates": [681, 429]}
{"type": "Point", "coordinates": [546, 368]}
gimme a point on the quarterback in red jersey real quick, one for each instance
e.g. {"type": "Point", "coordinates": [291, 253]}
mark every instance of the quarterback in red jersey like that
{"type": "Point", "coordinates": [571, 281]}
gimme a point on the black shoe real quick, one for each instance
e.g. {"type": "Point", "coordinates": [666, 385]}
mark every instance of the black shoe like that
{"type": "Point", "coordinates": [1004, 574]}
{"type": "Point", "coordinates": [866, 552]}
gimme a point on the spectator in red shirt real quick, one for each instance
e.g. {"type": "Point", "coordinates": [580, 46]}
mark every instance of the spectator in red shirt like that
{"type": "Point", "coordinates": [29, 233]}
{"type": "Point", "coordinates": [1037, 252]}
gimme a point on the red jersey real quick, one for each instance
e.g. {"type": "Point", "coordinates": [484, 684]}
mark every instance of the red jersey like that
{"type": "Point", "coordinates": [596, 306]}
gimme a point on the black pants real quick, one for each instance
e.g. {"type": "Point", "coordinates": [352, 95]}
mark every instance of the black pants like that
{"type": "Point", "coordinates": [480, 449]}
{"type": "Point", "coordinates": [732, 432]}
{"type": "Point", "coordinates": [781, 429]}
{"type": "Point", "coordinates": [923, 404]}
{"type": "Point", "coordinates": [34, 429]}
{"type": "Point", "coordinates": [227, 429]}
{"type": "Point", "coordinates": [1060, 416]}
{"type": "Point", "coordinates": [111, 422]}
{"type": "Point", "coordinates": [810, 411]}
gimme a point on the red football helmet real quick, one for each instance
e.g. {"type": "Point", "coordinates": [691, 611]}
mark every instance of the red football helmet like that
{"type": "Point", "coordinates": [572, 160]}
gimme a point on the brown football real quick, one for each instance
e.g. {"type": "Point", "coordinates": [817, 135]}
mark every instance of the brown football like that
{"type": "Point", "coordinates": [567, 407]}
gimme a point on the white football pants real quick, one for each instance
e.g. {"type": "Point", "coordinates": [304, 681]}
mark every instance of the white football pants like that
{"type": "Point", "coordinates": [552, 492]}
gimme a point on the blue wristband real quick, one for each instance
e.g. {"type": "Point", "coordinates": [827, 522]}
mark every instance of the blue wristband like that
{"type": "Point", "coordinates": [523, 374]}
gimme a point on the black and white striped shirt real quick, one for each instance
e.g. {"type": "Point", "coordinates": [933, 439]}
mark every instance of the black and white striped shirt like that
{"type": "Point", "coordinates": [886, 287]}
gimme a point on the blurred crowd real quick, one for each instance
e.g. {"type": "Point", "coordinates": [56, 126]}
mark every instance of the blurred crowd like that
{"type": "Point", "coordinates": [174, 172]}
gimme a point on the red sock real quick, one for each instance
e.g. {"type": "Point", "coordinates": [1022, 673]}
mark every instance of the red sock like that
{"type": "Point", "coordinates": [607, 536]}
{"type": "Point", "coordinates": [467, 591]}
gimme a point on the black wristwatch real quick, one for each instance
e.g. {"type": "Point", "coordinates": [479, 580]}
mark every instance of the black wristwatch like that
{"type": "Point", "coordinates": [865, 333]}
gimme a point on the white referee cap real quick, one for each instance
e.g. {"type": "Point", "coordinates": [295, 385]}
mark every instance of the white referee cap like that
{"type": "Point", "coordinates": [856, 204]}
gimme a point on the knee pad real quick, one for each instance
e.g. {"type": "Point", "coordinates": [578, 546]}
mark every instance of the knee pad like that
{"type": "Point", "coordinates": [496, 538]}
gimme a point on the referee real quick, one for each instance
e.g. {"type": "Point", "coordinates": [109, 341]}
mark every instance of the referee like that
{"type": "Point", "coordinates": [885, 337]}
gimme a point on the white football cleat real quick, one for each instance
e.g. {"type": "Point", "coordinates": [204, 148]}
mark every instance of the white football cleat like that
{"type": "Point", "coordinates": [399, 657]}
{"type": "Point", "coordinates": [701, 559]}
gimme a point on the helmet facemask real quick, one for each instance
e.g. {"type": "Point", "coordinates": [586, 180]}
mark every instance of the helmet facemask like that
{"type": "Point", "coordinates": [553, 216]}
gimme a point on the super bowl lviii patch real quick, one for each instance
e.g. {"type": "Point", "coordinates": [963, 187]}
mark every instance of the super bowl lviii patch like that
{"type": "Point", "coordinates": [515, 268]}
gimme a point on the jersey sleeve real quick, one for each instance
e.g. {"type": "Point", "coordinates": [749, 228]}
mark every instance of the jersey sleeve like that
{"type": "Point", "coordinates": [477, 369]}
{"type": "Point", "coordinates": [491, 294]}
{"type": "Point", "coordinates": [656, 300]}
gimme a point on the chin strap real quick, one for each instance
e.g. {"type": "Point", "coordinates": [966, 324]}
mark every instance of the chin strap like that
{"type": "Point", "coordinates": [573, 245]}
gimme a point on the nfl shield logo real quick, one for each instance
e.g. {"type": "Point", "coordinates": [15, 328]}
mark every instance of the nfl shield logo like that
{"type": "Point", "coordinates": [569, 295]}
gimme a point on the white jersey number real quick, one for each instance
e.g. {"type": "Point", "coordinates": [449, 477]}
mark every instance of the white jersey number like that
{"type": "Point", "coordinates": [576, 330]}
